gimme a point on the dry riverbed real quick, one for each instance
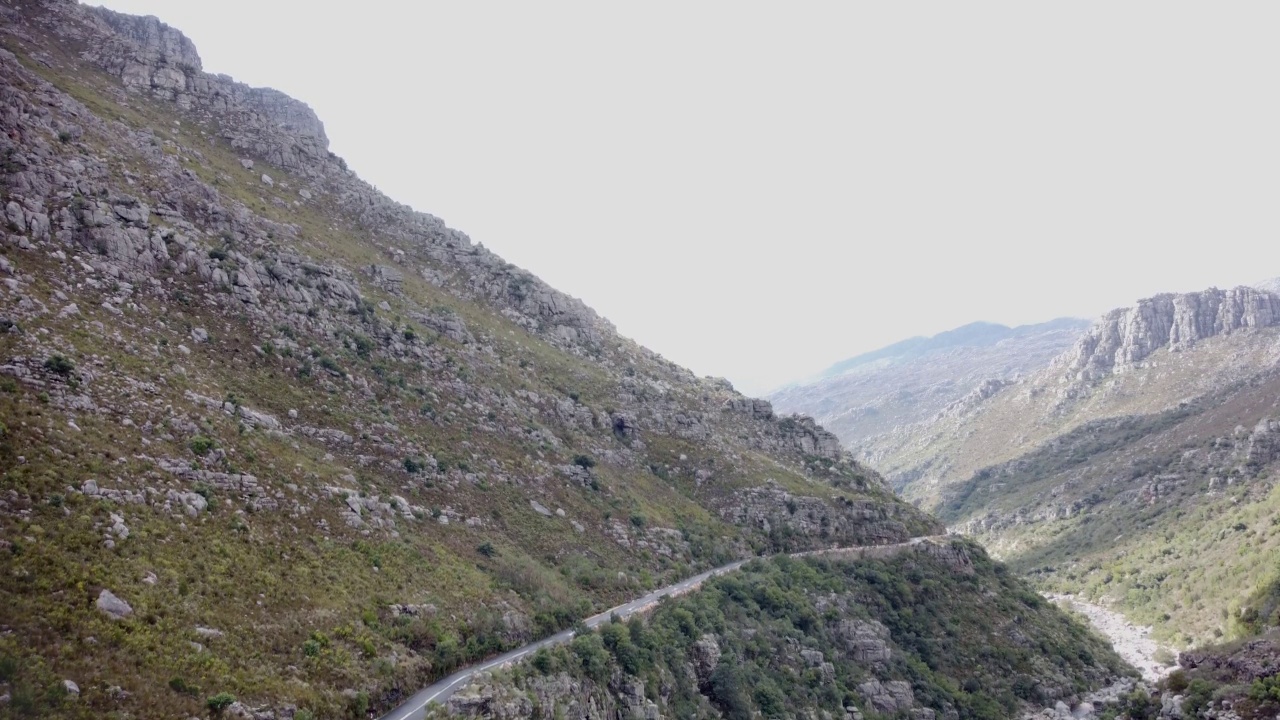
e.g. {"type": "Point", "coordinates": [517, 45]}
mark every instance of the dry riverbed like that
{"type": "Point", "coordinates": [1132, 642]}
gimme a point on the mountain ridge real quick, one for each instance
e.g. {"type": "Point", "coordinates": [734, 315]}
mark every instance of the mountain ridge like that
{"type": "Point", "coordinates": [870, 395]}
{"type": "Point", "coordinates": [270, 433]}
{"type": "Point", "coordinates": [275, 445]}
{"type": "Point", "coordinates": [975, 334]}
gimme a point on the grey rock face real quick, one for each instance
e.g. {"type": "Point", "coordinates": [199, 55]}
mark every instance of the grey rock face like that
{"type": "Point", "coordinates": [889, 697]}
{"type": "Point", "coordinates": [866, 640]}
{"type": "Point", "coordinates": [149, 56]}
{"type": "Point", "coordinates": [1127, 336]}
{"type": "Point", "coordinates": [556, 696]}
{"type": "Point", "coordinates": [845, 523]}
{"type": "Point", "coordinates": [1255, 659]}
{"type": "Point", "coordinates": [1264, 443]}
{"type": "Point", "coordinates": [706, 657]}
{"type": "Point", "coordinates": [114, 607]}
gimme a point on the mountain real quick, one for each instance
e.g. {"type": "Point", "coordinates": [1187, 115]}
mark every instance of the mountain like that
{"type": "Point", "coordinates": [276, 446]}
{"type": "Point", "coordinates": [1137, 469]}
{"type": "Point", "coordinates": [910, 381]}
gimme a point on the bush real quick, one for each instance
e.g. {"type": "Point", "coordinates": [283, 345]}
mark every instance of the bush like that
{"type": "Point", "coordinates": [1197, 697]}
{"type": "Point", "coordinates": [359, 707]}
{"type": "Point", "coordinates": [1138, 705]}
{"type": "Point", "coordinates": [1265, 689]}
{"type": "Point", "coordinates": [592, 655]}
{"type": "Point", "coordinates": [412, 466]}
{"type": "Point", "coordinates": [487, 549]}
{"type": "Point", "coordinates": [201, 445]}
{"type": "Point", "coordinates": [584, 461]}
{"type": "Point", "coordinates": [60, 365]}
{"type": "Point", "coordinates": [1176, 682]}
{"type": "Point", "coordinates": [221, 701]}
{"type": "Point", "coordinates": [363, 345]}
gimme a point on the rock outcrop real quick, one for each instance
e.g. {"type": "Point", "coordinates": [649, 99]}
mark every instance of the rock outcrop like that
{"type": "Point", "coordinates": [775, 511]}
{"type": "Point", "coordinates": [1127, 336]}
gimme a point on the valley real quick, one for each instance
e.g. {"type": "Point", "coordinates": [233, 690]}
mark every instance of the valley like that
{"type": "Point", "coordinates": [275, 446]}
{"type": "Point", "coordinates": [1134, 472]}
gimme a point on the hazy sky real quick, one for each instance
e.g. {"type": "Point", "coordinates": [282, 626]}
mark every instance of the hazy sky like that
{"type": "Point", "coordinates": [757, 190]}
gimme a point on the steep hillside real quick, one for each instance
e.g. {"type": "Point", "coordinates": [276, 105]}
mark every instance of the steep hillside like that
{"type": "Point", "coordinates": [912, 381]}
{"type": "Point", "coordinates": [267, 434]}
{"type": "Point", "coordinates": [938, 633]}
{"type": "Point", "coordinates": [1138, 470]}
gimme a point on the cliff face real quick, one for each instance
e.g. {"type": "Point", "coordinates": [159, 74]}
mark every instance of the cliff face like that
{"type": "Point", "coordinates": [153, 58]}
{"type": "Point", "coordinates": [1127, 336]}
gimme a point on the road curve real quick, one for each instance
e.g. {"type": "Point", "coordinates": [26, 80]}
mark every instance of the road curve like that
{"type": "Point", "coordinates": [415, 708]}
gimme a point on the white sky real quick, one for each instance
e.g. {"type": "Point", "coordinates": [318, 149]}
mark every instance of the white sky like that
{"type": "Point", "coordinates": [758, 190]}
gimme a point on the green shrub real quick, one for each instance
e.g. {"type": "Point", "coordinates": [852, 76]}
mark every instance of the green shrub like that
{"type": "Point", "coordinates": [1176, 682]}
{"type": "Point", "coordinates": [1138, 705]}
{"type": "Point", "coordinates": [1265, 689]}
{"type": "Point", "coordinates": [584, 461]}
{"type": "Point", "coordinates": [59, 364]}
{"type": "Point", "coordinates": [1196, 697]}
{"type": "Point", "coordinates": [201, 445]}
{"type": "Point", "coordinates": [359, 706]}
{"type": "Point", "coordinates": [363, 345]}
{"type": "Point", "coordinates": [220, 702]}
{"type": "Point", "coordinates": [487, 549]}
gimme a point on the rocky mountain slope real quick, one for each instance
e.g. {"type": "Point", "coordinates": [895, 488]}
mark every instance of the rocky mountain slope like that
{"type": "Point", "coordinates": [1136, 470]}
{"type": "Point", "coordinates": [909, 382]}
{"type": "Point", "coordinates": [271, 439]}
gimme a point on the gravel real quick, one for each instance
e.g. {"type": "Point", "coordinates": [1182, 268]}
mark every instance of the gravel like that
{"type": "Point", "coordinates": [1132, 642]}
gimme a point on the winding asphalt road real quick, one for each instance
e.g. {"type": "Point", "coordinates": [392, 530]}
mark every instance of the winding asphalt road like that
{"type": "Point", "coordinates": [415, 708]}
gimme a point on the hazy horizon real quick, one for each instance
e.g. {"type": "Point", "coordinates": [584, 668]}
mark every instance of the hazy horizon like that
{"type": "Point", "coordinates": [760, 192]}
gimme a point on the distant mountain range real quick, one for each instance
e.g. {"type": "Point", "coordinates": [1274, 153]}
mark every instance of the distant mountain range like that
{"type": "Point", "coordinates": [974, 335]}
{"type": "Point", "coordinates": [913, 380]}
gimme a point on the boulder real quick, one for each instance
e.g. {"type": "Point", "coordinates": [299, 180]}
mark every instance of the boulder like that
{"type": "Point", "coordinates": [113, 606]}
